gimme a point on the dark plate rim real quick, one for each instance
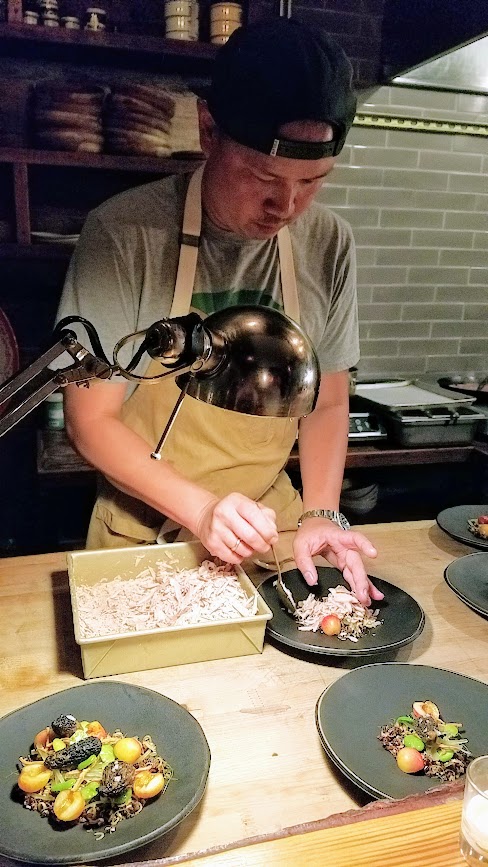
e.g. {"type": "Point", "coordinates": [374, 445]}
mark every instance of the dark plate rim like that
{"type": "Point", "coordinates": [471, 541]}
{"type": "Point", "coordinates": [122, 848]}
{"type": "Point", "coordinates": [317, 650]}
{"type": "Point", "coordinates": [361, 784]}
{"type": "Point", "coordinates": [348, 772]}
{"type": "Point", "coordinates": [451, 567]}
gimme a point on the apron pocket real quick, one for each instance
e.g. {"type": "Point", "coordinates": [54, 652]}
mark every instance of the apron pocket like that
{"type": "Point", "coordinates": [126, 524]}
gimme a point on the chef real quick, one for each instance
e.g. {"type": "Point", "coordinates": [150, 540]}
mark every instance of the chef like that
{"type": "Point", "coordinates": [275, 119]}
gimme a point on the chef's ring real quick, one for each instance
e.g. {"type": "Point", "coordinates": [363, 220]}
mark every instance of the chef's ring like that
{"type": "Point", "coordinates": [235, 547]}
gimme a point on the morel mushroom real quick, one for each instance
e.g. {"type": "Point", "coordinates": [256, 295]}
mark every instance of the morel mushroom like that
{"type": "Point", "coordinates": [116, 777]}
{"type": "Point", "coordinates": [426, 729]}
{"type": "Point", "coordinates": [64, 725]}
{"type": "Point", "coordinates": [71, 757]}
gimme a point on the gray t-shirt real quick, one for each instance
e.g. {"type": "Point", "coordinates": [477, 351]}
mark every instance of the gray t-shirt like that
{"type": "Point", "coordinates": [123, 271]}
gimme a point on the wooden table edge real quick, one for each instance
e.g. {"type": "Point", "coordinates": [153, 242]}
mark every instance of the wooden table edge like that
{"type": "Point", "coordinates": [449, 793]}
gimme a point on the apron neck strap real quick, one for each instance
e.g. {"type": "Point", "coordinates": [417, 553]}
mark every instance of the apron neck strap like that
{"type": "Point", "coordinates": [187, 263]}
{"type": "Point", "coordinates": [287, 272]}
{"type": "Point", "coordinates": [190, 239]}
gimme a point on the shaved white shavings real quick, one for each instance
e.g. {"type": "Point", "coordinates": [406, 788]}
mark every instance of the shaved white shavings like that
{"type": "Point", "coordinates": [162, 597]}
{"type": "Point", "coordinates": [354, 617]}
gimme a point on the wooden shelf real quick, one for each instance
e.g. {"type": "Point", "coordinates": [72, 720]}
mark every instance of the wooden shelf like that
{"type": "Point", "coordinates": [28, 40]}
{"type": "Point", "coordinates": [56, 456]}
{"type": "Point", "coordinates": [22, 158]}
{"type": "Point", "coordinates": [84, 159]}
{"type": "Point", "coordinates": [36, 251]}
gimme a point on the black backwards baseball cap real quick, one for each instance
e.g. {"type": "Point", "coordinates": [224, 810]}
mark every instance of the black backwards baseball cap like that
{"type": "Point", "coordinates": [278, 71]}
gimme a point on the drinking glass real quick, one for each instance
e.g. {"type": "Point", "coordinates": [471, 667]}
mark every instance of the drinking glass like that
{"type": "Point", "coordinates": [474, 822]}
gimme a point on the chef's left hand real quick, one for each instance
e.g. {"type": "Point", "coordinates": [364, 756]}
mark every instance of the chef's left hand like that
{"type": "Point", "coordinates": [342, 548]}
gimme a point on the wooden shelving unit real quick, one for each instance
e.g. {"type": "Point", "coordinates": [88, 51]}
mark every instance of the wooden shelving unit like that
{"type": "Point", "coordinates": [53, 191]}
{"type": "Point", "coordinates": [126, 49]}
{"type": "Point", "coordinates": [134, 51]}
{"type": "Point", "coordinates": [48, 252]}
{"type": "Point", "coordinates": [80, 159]}
{"type": "Point", "coordinates": [21, 159]}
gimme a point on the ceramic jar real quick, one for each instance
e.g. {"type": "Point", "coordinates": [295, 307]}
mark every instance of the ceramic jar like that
{"type": "Point", "coordinates": [30, 17]}
{"type": "Point", "coordinates": [50, 19]}
{"type": "Point", "coordinates": [70, 22]}
{"type": "Point", "coordinates": [224, 19]}
{"type": "Point", "coordinates": [95, 18]}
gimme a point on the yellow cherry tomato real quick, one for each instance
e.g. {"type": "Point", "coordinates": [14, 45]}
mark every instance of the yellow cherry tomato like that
{"type": "Point", "coordinates": [69, 805]}
{"type": "Point", "coordinates": [148, 784]}
{"type": "Point", "coordinates": [33, 777]}
{"type": "Point", "coordinates": [128, 750]}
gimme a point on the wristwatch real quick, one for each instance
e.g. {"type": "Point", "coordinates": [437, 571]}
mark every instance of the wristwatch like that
{"type": "Point", "coordinates": [331, 514]}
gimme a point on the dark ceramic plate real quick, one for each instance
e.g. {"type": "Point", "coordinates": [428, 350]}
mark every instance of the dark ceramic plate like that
{"type": "Point", "coordinates": [454, 522]}
{"type": "Point", "coordinates": [351, 711]}
{"type": "Point", "coordinates": [402, 617]}
{"type": "Point", "coordinates": [468, 577]}
{"type": "Point", "coordinates": [26, 836]}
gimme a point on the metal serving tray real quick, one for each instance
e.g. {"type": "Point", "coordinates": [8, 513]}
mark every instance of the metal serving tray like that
{"type": "Point", "coordinates": [438, 425]}
{"type": "Point", "coordinates": [408, 393]}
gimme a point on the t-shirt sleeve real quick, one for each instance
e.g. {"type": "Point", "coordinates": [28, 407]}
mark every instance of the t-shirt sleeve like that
{"type": "Point", "coordinates": [339, 347]}
{"type": "Point", "coordinates": [98, 286]}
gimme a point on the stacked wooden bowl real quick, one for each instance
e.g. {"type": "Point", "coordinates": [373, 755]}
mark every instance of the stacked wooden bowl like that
{"type": "Point", "coordinates": [185, 135]}
{"type": "Point", "coordinates": [137, 120]}
{"type": "Point", "coordinates": [68, 117]}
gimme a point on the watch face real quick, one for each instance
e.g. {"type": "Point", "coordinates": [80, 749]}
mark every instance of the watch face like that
{"type": "Point", "coordinates": [342, 520]}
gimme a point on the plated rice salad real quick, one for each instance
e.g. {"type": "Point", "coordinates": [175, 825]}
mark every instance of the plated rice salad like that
{"type": "Point", "coordinates": [77, 773]}
{"type": "Point", "coordinates": [422, 742]}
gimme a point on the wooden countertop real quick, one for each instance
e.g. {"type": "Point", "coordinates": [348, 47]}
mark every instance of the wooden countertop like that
{"type": "Point", "coordinates": [418, 833]}
{"type": "Point", "coordinates": [268, 771]}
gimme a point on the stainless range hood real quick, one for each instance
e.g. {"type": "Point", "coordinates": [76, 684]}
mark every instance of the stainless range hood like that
{"type": "Point", "coordinates": [437, 44]}
{"type": "Point", "coordinates": [465, 70]}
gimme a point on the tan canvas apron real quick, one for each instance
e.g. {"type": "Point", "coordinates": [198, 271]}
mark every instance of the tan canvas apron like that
{"type": "Point", "coordinates": [221, 450]}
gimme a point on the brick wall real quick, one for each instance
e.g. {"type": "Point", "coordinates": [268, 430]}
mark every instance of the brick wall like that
{"type": "Point", "coordinates": [356, 24]}
{"type": "Point", "coordinates": [418, 204]}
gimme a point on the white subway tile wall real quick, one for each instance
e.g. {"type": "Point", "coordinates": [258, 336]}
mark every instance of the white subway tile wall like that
{"type": "Point", "coordinates": [418, 205]}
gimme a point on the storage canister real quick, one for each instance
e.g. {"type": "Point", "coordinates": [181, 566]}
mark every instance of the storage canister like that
{"type": "Point", "coordinates": [54, 413]}
{"type": "Point", "coordinates": [177, 7]}
{"type": "Point", "coordinates": [222, 29]}
{"type": "Point", "coordinates": [226, 11]}
{"type": "Point", "coordinates": [30, 17]}
{"type": "Point", "coordinates": [71, 22]}
{"type": "Point", "coordinates": [48, 6]}
{"type": "Point", "coordinates": [177, 15]}
{"type": "Point", "coordinates": [50, 19]}
{"type": "Point", "coordinates": [95, 18]}
{"type": "Point", "coordinates": [178, 27]}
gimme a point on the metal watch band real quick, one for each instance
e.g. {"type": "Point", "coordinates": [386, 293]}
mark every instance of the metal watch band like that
{"type": "Point", "coordinates": [331, 514]}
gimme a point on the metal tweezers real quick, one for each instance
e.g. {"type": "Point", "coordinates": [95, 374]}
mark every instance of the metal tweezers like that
{"type": "Point", "coordinates": [284, 594]}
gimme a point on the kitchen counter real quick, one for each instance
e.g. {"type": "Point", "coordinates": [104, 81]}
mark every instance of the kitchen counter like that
{"type": "Point", "coordinates": [56, 457]}
{"type": "Point", "coordinates": [268, 770]}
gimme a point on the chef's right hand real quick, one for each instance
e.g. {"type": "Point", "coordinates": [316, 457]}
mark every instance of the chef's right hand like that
{"type": "Point", "coordinates": [236, 527]}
